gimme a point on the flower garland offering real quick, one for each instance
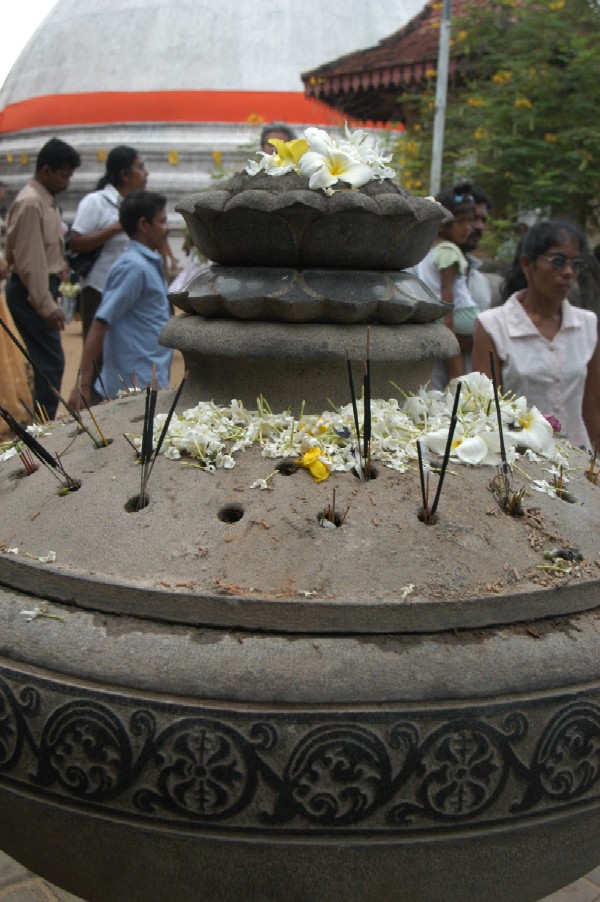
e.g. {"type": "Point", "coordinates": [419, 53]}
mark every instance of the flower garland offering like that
{"type": "Point", "coordinates": [213, 435]}
{"type": "Point", "coordinates": [355, 159]}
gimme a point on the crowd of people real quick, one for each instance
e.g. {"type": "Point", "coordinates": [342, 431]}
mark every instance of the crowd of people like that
{"type": "Point", "coordinates": [541, 344]}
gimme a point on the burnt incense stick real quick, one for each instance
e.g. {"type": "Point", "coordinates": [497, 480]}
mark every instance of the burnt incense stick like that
{"type": "Point", "coordinates": [447, 451]}
{"type": "Point", "coordinates": [95, 422]}
{"type": "Point", "coordinates": [166, 425]}
{"type": "Point", "coordinates": [38, 450]}
{"type": "Point", "coordinates": [354, 411]}
{"type": "Point", "coordinates": [29, 464]}
{"type": "Point", "coordinates": [148, 436]}
{"type": "Point", "coordinates": [422, 480]}
{"type": "Point", "coordinates": [505, 466]}
{"type": "Point", "coordinates": [99, 377]}
{"type": "Point", "coordinates": [28, 411]}
{"type": "Point", "coordinates": [124, 384]}
{"type": "Point", "coordinates": [367, 411]}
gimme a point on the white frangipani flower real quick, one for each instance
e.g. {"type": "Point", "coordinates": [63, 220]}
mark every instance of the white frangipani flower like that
{"type": "Point", "coordinates": [325, 169]}
{"type": "Point", "coordinates": [532, 429]}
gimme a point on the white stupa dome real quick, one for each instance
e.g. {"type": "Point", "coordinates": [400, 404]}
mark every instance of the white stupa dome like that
{"type": "Point", "coordinates": [182, 80]}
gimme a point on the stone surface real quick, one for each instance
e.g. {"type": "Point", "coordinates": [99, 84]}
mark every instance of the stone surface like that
{"type": "Point", "coordinates": [280, 222]}
{"type": "Point", "coordinates": [300, 363]}
{"type": "Point", "coordinates": [252, 710]}
{"type": "Point", "coordinates": [307, 296]}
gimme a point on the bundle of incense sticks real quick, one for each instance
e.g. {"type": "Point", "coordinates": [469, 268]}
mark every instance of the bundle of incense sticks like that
{"type": "Point", "coordinates": [51, 463]}
{"type": "Point", "coordinates": [505, 465]}
{"type": "Point", "coordinates": [429, 515]}
{"type": "Point", "coordinates": [148, 454]}
{"type": "Point", "coordinates": [364, 457]}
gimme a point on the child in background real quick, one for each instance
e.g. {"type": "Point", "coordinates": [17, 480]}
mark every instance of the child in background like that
{"type": "Point", "coordinates": [444, 270]}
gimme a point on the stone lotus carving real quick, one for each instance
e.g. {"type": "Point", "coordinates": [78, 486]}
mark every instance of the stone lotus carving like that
{"type": "Point", "coordinates": [263, 221]}
{"type": "Point", "coordinates": [309, 296]}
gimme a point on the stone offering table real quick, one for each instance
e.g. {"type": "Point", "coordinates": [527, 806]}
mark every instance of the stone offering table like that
{"type": "Point", "coordinates": [255, 707]}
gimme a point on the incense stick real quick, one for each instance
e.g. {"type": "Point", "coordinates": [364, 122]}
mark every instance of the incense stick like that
{"type": "Point", "coordinates": [354, 411]}
{"type": "Point", "coordinates": [447, 451]}
{"type": "Point", "coordinates": [44, 456]}
{"type": "Point", "coordinates": [166, 425]}
{"type": "Point", "coordinates": [422, 480]}
{"type": "Point", "coordinates": [505, 466]}
{"type": "Point", "coordinates": [148, 435]}
{"type": "Point", "coordinates": [99, 377]}
{"type": "Point", "coordinates": [367, 405]}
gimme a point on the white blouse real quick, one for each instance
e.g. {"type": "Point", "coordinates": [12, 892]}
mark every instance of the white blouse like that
{"type": "Point", "coordinates": [551, 374]}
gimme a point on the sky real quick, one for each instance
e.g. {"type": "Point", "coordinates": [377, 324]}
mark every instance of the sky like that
{"type": "Point", "coordinates": [19, 21]}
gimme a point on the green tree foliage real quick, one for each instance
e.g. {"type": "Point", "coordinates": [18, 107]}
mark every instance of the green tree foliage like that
{"type": "Point", "coordinates": [524, 120]}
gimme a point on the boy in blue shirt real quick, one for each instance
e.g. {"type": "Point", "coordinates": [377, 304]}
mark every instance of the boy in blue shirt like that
{"type": "Point", "coordinates": [134, 307]}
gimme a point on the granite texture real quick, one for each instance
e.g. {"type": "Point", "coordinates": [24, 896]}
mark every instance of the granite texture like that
{"type": "Point", "coordinates": [265, 221]}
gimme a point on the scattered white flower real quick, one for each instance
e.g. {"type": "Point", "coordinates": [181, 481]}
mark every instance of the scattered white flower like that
{"type": "Point", "coordinates": [6, 455]}
{"type": "Point", "coordinates": [406, 591]}
{"type": "Point", "coordinates": [41, 610]}
{"type": "Point", "coordinates": [542, 485]}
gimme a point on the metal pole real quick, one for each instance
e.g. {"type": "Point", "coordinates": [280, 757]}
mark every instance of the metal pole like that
{"type": "Point", "coordinates": [441, 90]}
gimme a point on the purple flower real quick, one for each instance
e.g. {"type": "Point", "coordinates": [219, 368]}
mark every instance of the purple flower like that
{"type": "Point", "coordinates": [553, 422]}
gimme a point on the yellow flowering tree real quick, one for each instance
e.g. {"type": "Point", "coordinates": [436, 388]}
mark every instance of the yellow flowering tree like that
{"type": "Point", "coordinates": [534, 140]}
{"type": "Point", "coordinates": [523, 121]}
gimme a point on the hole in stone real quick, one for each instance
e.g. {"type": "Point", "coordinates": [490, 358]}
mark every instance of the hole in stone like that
{"type": "Point", "coordinates": [565, 495]}
{"type": "Point", "coordinates": [137, 419]}
{"type": "Point", "coordinates": [327, 522]}
{"type": "Point", "coordinates": [373, 473]}
{"type": "Point", "coordinates": [429, 520]}
{"type": "Point", "coordinates": [287, 467]}
{"type": "Point", "coordinates": [136, 503]}
{"type": "Point", "coordinates": [109, 441]}
{"type": "Point", "coordinates": [231, 513]}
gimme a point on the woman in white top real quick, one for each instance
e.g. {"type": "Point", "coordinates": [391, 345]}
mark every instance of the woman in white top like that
{"type": "Point", "coordinates": [543, 347]}
{"type": "Point", "coordinates": [97, 225]}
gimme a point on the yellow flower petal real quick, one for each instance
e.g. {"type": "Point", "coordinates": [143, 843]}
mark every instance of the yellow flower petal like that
{"type": "Point", "coordinates": [312, 461]}
{"type": "Point", "coordinates": [289, 151]}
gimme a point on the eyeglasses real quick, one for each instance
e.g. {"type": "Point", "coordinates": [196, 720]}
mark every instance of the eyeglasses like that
{"type": "Point", "coordinates": [559, 261]}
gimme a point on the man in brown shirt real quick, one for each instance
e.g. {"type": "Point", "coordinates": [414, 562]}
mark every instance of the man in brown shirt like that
{"type": "Point", "coordinates": [35, 253]}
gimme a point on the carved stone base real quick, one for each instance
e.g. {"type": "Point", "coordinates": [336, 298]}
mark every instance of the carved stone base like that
{"type": "Point", "coordinates": [289, 364]}
{"type": "Point", "coordinates": [119, 788]}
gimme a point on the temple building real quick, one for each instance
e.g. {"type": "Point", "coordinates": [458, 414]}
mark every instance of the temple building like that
{"type": "Point", "coordinates": [367, 84]}
{"type": "Point", "coordinates": [189, 83]}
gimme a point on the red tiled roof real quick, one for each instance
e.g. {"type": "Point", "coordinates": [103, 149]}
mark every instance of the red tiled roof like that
{"type": "Point", "coordinates": [364, 84]}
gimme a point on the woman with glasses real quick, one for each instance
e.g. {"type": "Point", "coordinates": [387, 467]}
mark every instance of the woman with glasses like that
{"type": "Point", "coordinates": [543, 347]}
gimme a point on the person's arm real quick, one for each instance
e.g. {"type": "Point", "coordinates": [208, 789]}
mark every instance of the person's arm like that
{"type": "Point", "coordinates": [82, 244]}
{"type": "Point", "coordinates": [455, 366]}
{"type": "Point", "coordinates": [591, 399]}
{"type": "Point", "coordinates": [482, 345]}
{"type": "Point", "coordinates": [92, 351]}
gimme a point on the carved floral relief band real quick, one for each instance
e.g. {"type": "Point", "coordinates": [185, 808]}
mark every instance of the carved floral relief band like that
{"type": "Point", "coordinates": [395, 772]}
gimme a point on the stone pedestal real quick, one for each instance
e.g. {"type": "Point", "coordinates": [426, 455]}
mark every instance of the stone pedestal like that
{"type": "Point", "coordinates": [289, 364]}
